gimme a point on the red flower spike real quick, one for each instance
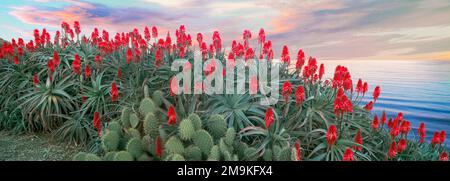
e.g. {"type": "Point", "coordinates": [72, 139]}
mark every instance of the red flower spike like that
{"type": "Point", "coordinates": [154, 32]}
{"type": "Point", "coordinates": [401, 145]}
{"type": "Point", "coordinates": [300, 60]}
{"type": "Point", "coordinates": [299, 95]}
{"type": "Point", "coordinates": [348, 155]}
{"type": "Point", "coordinates": [422, 132]}
{"type": "Point", "coordinates": [159, 147]}
{"type": "Point", "coordinates": [375, 123]}
{"type": "Point", "coordinates": [443, 156]}
{"type": "Point", "coordinates": [436, 138]}
{"type": "Point", "coordinates": [392, 150]}
{"type": "Point", "coordinates": [383, 118]}
{"type": "Point", "coordinates": [16, 60]}
{"type": "Point", "coordinates": [285, 55]}
{"type": "Point", "coordinates": [114, 92]}
{"type": "Point", "coordinates": [287, 90]}
{"type": "Point", "coordinates": [376, 93]}
{"type": "Point", "coordinates": [129, 55]}
{"type": "Point", "coordinates": [298, 150]}
{"type": "Point", "coordinates": [369, 106]}
{"type": "Point", "coordinates": [262, 36]}
{"type": "Point", "coordinates": [98, 59]}
{"type": "Point", "coordinates": [331, 135]}
{"type": "Point", "coordinates": [172, 116]}
{"type": "Point", "coordinates": [97, 122]}
{"type": "Point", "coordinates": [76, 26]}
{"type": "Point", "coordinates": [87, 71]}
{"type": "Point", "coordinates": [269, 118]}
{"type": "Point", "coordinates": [321, 71]}
{"type": "Point", "coordinates": [76, 65]}
{"type": "Point", "coordinates": [56, 59]}
{"type": "Point", "coordinates": [50, 66]}
{"type": "Point", "coordinates": [358, 140]}
{"type": "Point", "coordinates": [365, 87]}
{"type": "Point", "coordinates": [35, 79]}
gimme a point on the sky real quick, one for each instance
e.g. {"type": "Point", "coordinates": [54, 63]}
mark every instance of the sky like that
{"type": "Point", "coordinates": [326, 29]}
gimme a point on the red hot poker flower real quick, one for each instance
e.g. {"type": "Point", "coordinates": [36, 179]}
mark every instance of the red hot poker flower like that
{"type": "Point", "coordinates": [376, 93]}
{"type": "Point", "coordinates": [298, 156]}
{"type": "Point", "coordinates": [443, 156]}
{"type": "Point", "coordinates": [436, 138]}
{"type": "Point", "coordinates": [405, 127]}
{"type": "Point", "coordinates": [51, 66]}
{"type": "Point", "coordinates": [331, 135]}
{"type": "Point", "coordinates": [375, 123]}
{"type": "Point", "coordinates": [98, 59]}
{"type": "Point", "coordinates": [300, 60]}
{"type": "Point", "coordinates": [383, 118]}
{"type": "Point", "coordinates": [76, 26]}
{"type": "Point", "coordinates": [56, 60]}
{"type": "Point", "coordinates": [348, 155]}
{"type": "Point", "coordinates": [285, 55]}
{"type": "Point", "coordinates": [369, 106]}
{"type": "Point", "coordinates": [287, 90]}
{"type": "Point", "coordinates": [392, 150]}
{"type": "Point", "coordinates": [269, 117]}
{"type": "Point", "coordinates": [154, 32]}
{"type": "Point", "coordinates": [97, 122]}
{"type": "Point", "coordinates": [358, 140]}
{"type": "Point", "coordinates": [365, 87]}
{"type": "Point", "coordinates": [321, 71]}
{"type": "Point", "coordinates": [299, 95]}
{"type": "Point", "coordinates": [159, 147]}
{"type": "Point", "coordinates": [129, 55]}
{"type": "Point", "coordinates": [35, 79]}
{"type": "Point", "coordinates": [401, 145]}
{"type": "Point", "coordinates": [114, 92]}
{"type": "Point", "coordinates": [87, 71]}
{"type": "Point", "coordinates": [172, 116]}
{"type": "Point", "coordinates": [422, 132]}
{"type": "Point", "coordinates": [76, 64]}
{"type": "Point", "coordinates": [262, 36]}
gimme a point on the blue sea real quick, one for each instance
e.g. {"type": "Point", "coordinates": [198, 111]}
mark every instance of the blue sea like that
{"type": "Point", "coordinates": [419, 89]}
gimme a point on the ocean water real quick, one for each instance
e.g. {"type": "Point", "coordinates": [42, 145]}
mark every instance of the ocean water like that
{"type": "Point", "coordinates": [419, 89]}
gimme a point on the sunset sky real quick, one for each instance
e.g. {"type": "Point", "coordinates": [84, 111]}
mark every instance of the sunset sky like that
{"type": "Point", "coordinates": [327, 29]}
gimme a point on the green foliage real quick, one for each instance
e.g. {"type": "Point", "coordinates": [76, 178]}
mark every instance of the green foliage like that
{"type": "Point", "coordinates": [134, 147]}
{"type": "Point", "coordinates": [115, 126]}
{"type": "Point", "coordinates": [157, 97]}
{"type": "Point", "coordinates": [177, 157]}
{"type": "Point", "coordinates": [92, 157]}
{"type": "Point", "coordinates": [134, 120]}
{"type": "Point", "coordinates": [110, 141]}
{"type": "Point", "coordinates": [196, 121]}
{"type": "Point", "coordinates": [80, 156]}
{"type": "Point", "coordinates": [204, 141]}
{"type": "Point", "coordinates": [214, 154]}
{"type": "Point", "coordinates": [123, 156]}
{"type": "Point", "coordinates": [217, 126]}
{"type": "Point", "coordinates": [230, 136]}
{"type": "Point", "coordinates": [174, 146]}
{"type": "Point", "coordinates": [186, 129]}
{"type": "Point", "coordinates": [147, 106]}
{"type": "Point", "coordinates": [109, 156]}
{"type": "Point", "coordinates": [193, 153]}
{"type": "Point", "coordinates": [151, 125]}
{"type": "Point", "coordinates": [125, 117]}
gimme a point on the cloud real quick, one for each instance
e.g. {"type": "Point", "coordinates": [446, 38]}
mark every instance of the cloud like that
{"type": "Point", "coordinates": [417, 34]}
{"type": "Point", "coordinates": [327, 29]}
